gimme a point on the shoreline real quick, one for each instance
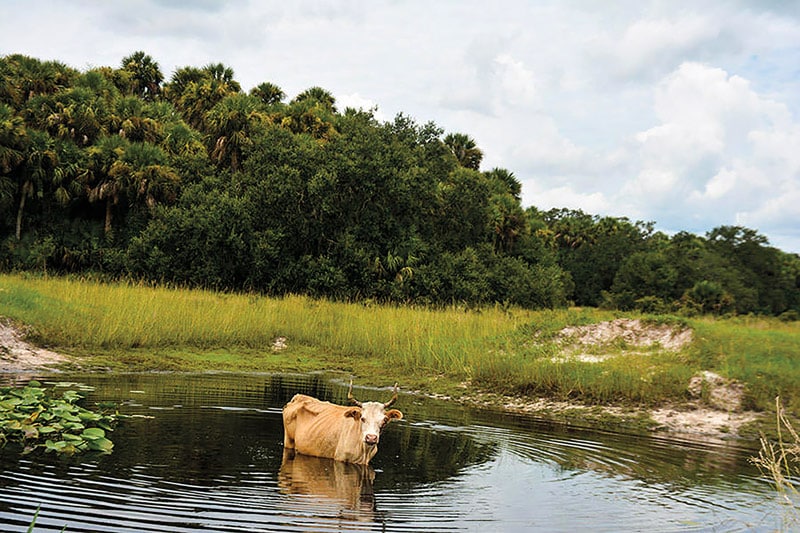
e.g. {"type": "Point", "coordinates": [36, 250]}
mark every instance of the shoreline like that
{"type": "Point", "coordinates": [691, 420]}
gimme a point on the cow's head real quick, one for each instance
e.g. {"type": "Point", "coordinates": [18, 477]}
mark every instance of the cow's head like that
{"type": "Point", "coordinates": [372, 416]}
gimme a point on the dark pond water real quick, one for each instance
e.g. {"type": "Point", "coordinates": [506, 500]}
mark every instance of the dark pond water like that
{"type": "Point", "coordinates": [209, 457]}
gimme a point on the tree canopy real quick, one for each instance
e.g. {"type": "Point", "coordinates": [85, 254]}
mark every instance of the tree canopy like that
{"type": "Point", "coordinates": [193, 181]}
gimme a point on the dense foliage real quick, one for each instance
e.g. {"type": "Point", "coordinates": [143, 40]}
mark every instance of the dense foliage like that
{"type": "Point", "coordinates": [193, 181]}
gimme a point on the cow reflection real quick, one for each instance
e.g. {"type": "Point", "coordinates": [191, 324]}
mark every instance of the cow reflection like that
{"type": "Point", "coordinates": [346, 486]}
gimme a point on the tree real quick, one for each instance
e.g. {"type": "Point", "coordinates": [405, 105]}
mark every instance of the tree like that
{"type": "Point", "coordinates": [268, 93]}
{"type": "Point", "coordinates": [230, 125]}
{"type": "Point", "coordinates": [195, 91]}
{"type": "Point", "coordinates": [40, 163]}
{"type": "Point", "coordinates": [78, 114]}
{"type": "Point", "coordinates": [143, 172]}
{"type": "Point", "coordinates": [506, 181]}
{"type": "Point", "coordinates": [463, 214]}
{"type": "Point", "coordinates": [465, 150]}
{"type": "Point", "coordinates": [132, 123]}
{"type": "Point", "coordinates": [104, 178]}
{"type": "Point", "coordinates": [644, 277]}
{"type": "Point", "coordinates": [508, 221]}
{"type": "Point", "coordinates": [13, 137]}
{"type": "Point", "coordinates": [318, 95]}
{"type": "Point", "coordinates": [71, 164]}
{"type": "Point", "coordinates": [204, 241]}
{"type": "Point", "coordinates": [144, 74]}
{"type": "Point", "coordinates": [23, 77]}
{"type": "Point", "coordinates": [309, 117]}
{"type": "Point", "coordinates": [758, 268]}
{"type": "Point", "coordinates": [592, 248]}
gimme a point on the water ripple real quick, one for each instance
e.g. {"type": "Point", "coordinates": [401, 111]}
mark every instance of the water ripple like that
{"type": "Point", "coordinates": [211, 460]}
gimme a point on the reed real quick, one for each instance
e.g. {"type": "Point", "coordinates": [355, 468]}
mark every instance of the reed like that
{"type": "Point", "coordinates": [778, 461]}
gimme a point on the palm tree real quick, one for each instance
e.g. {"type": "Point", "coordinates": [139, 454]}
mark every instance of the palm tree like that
{"type": "Point", "coordinates": [143, 172]}
{"type": "Point", "coordinates": [268, 93]}
{"type": "Point", "coordinates": [181, 140]}
{"type": "Point", "coordinates": [311, 112]}
{"type": "Point", "coordinates": [13, 137]}
{"type": "Point", "coordinates": [70, 165]}
{"type": "Point", "coordinates": [508, 221]}
{"type": "Point", "coordinates": [78, 114]}
{"type": "Point", "coordinates": [26, 77]}
{"type": "Point", "coordinates": [506, 180]}
{"type": "Point", "coordinates": [319, 95]}
{"type": "Point", "coordinates": [132, 122]}
{"type": "Point", "coordinates": [145, 75]}
{"type": "Point", "coordinates": [195, 91]}
{"type": "Point", "coordinates": [40, 163]}
{"type": "Point", "coordinates": [464, 148]}
{"type": "Point", "coordinates": [230, 125]}
{"type": "Point", "coordinates": [9, 90]}
{"type": "Point", "coordinates": [181, 80]}
{"type": "Point", "coordinates": [104, 178]}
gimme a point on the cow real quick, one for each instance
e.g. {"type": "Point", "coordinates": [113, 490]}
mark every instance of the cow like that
{"type": "Point", "coordinates": [323, 429]}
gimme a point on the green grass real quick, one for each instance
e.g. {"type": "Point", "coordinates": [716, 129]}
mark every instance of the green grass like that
{"type": "Point", "coordinates": [126, 326]}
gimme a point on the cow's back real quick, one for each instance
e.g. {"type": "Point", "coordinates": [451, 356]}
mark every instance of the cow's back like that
{"type": "Point", "coordinates": [311, 426]}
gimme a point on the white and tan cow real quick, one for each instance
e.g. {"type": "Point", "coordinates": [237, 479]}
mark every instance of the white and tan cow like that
{"type": "Point", "coordinates": [323, 429]}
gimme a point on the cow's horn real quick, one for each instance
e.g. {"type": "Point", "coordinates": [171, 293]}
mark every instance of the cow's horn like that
{"type": "Point", "coordinates": [350, 395]}
{"type": "Point", "coordinates": [394, 398]}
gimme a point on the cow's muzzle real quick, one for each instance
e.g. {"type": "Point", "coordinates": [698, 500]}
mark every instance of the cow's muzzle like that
{"type": "Point", "coordinates": [371, 440]}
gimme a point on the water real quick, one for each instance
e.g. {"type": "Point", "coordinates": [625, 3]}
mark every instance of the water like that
{"type": "Point", "coordinates": [209, 457]}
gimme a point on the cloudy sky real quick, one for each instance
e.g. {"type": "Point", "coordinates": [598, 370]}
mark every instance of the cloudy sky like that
{"type": "Point", "coordinates": [683, 113]}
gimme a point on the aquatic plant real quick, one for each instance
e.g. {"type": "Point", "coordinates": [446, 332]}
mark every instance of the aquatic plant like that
{"type": "Point", "coordinates": [36, 517]}
{"type": "Point", "coordinates": [34, 417]}
{"type": "Point", "coordinates": [780, 462]}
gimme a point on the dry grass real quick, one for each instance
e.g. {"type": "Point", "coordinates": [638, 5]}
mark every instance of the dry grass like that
{"type": "Point", "coordinates": [780, 463]}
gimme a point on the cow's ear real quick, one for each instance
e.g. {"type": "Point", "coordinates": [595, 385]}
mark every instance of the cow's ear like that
{"type": "Point", "coordinates": [353, 412]}
{"type": "Point", "coordinates": [394, 413]}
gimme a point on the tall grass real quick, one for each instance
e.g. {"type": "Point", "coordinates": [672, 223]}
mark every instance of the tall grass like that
{"type": "Point", "coordinates": [505, 350]}
{"type": "Point", "coordinates": [88, 315]}
{"type": "Point", "coordinates": [762, 353]}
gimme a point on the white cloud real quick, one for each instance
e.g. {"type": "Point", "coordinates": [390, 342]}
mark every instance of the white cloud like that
{"type": "Point", "coordinates": [356, 101]}
{"type": "Point", "coordinates": [516, 83]}
{"type": "Point", "coordinates": [653, 43]}
{"type": "Point", "coordinates": [721, 184]}
{"type": "Point", "coordinates": [567, 196]}
{"type": "Point", "coordinates": [722, 153]}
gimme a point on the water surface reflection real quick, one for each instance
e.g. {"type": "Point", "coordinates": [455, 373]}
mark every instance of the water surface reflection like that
{"type": "Point", "coordinates": [209, 457]}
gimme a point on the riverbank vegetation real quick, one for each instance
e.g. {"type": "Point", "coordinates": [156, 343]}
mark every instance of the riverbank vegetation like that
{"type": "Point", "coordinates": [778, 461]}
{"type": "Point", "coordinates": [196, 182]}
{"type": "Point", "coordinates": [126, 326]}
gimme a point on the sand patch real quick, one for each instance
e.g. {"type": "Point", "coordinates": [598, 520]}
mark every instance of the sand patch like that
{"type": "Point", "coordinates": [17, 355]}
{"type": "Point", "coordinates": [628, 335]}
{"type": "Point", "coordinates": [701, 422]}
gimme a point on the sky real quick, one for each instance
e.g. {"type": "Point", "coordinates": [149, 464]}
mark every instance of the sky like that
{"type": "Point", "coordinates": [681, 113]}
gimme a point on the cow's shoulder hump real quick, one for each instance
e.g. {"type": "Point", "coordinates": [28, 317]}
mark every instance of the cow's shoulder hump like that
{"type": "Point", "coordinates": [310, 404]}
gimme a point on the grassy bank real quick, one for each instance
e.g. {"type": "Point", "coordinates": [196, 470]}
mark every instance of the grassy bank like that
{"type": "Point", "coordinates": [133, 327]}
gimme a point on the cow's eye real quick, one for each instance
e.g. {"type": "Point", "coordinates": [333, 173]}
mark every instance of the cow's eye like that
{"type": "Point", "coordinates": [363, 419]}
